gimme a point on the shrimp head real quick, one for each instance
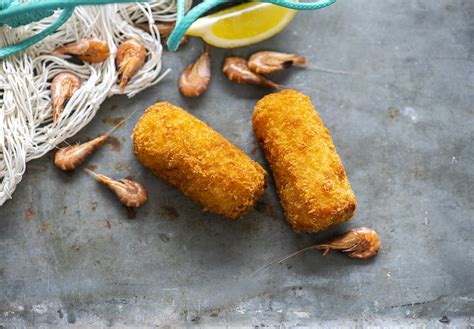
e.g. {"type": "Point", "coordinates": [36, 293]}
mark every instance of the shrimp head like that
{"type": "Point", "coordinates": [63, 86]}
{"type": "Point", "coordinates": [89, 50]}
{"type": "Point", "coordinates": [130, 58]}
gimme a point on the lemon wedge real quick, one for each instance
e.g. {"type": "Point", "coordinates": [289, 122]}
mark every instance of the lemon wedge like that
{"type": "Point", "coordinates": [242, 25]}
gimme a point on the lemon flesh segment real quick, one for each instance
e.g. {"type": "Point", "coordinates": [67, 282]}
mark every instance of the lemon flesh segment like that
{"type": "Point", "coordinates": [242, 25]}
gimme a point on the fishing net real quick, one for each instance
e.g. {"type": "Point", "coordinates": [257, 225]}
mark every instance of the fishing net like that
{"type": "Point", "coordinates": [27, 130]}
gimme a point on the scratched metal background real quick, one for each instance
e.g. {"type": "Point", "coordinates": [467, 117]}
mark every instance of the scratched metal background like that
{"type": "Point", "coordinates": [403, 125]}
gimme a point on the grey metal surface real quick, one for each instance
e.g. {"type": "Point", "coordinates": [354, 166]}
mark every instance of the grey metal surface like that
{"type": "Point", "coordinates": [403, 125]}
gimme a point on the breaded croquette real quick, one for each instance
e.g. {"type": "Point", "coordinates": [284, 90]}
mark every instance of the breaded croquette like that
{"type": "Point", "coordinates": [310, 178]}
{"type": "Point", "coordinates": [201, 163]}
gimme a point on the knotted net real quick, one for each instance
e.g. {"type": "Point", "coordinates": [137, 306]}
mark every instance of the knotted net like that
{"type": "Point", "coordinates": [27, 130]}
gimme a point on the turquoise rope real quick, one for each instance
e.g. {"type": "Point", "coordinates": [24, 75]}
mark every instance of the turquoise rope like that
{"type": "Point", "coordinates": [179, 11]}
{"type": "Point", "coordinates": [22, 45]}
{"type": "Point", "coordinates": [8, 6]}
{"type": "Point", "coordinates": [14, 13]}
{"type": "Point", "coordinates": [183, 23]}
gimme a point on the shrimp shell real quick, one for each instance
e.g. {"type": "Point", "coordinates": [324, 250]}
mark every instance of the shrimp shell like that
{"type": "Point", "coordinates": [90, 50]}
{"type": "Point", "coordinates": [70, 157]}
{"type": "Point", "coordinates": [265, 62]}
{"type": "Point", "coordinates": [129, 192]}
{"type": "Point", "coordinates": [196, 76]}
{"type": "Point", "coordinates": [130, 58]}
{"type": "Point", "coordinates": [63, 86]}
{"type": "Point", "coordinates": [237, 70]}
{"type": "Point", "coordinates": [359, 242]}
{"type": "Point", "coordinates": [165, 29]}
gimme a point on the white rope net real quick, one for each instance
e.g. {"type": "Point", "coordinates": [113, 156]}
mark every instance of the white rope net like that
{"type": "Point", "coordinates": [27, 130]}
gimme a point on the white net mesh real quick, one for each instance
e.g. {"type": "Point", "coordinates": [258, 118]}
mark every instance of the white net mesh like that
{"type": "Point", "coordinates": [27, 130]}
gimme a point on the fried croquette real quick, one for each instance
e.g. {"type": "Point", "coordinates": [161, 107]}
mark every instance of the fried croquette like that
{"type": "Point", "coordinates": [201, 163]}
{"type": "Point", "coordinates": [310, 178]}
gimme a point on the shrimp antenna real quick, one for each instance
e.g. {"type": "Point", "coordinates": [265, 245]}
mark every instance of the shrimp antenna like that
{"type": "Point", "coordinates": [118, 125]}
{"type": "Point", "coordinates": [283, 87]}
{"type": "Point", "coordinates": [207, 48]}
{"type": "Point", "coordinates": [281, 260]}
{"type": "Point", "coordinates": [325, 70]}
{"type": "Point", "coordinates": [64, 141]}
{"type": "Point", "coordinates": [92, 173]}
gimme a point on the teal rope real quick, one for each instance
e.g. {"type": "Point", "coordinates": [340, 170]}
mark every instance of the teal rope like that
{"type": "Point", "coordinates": [22, 45]}
{"type": "Point", "coordinates": [14, 13]}
{"type": "Point", "coordinates": [179, 11]}
{"type": "Point", "coordinates": [20, 20]}
{"type": "Point", "coordinates": [183, 24]}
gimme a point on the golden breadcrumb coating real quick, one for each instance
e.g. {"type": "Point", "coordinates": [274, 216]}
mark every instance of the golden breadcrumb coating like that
{"type": "Point", "coordinates": [201, 163]}
{"type": "Point", "coordinates": [310, 178]}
